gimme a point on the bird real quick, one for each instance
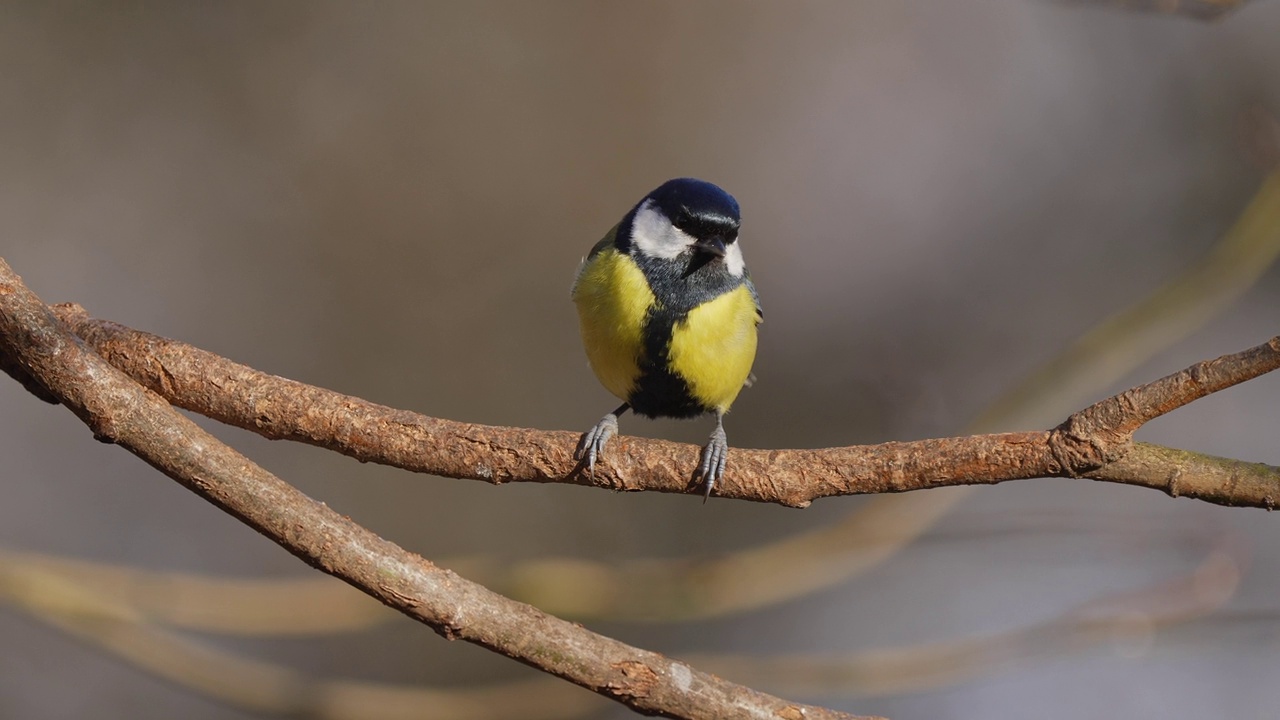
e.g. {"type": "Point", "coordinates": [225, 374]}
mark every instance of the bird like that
{"type": "Point", "coordinates": [668, 315]}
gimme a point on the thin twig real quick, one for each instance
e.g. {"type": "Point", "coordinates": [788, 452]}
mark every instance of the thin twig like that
{"type": "Point", "coordinates": [117, 410]}
{"type": "Point", "coordinates": [1094, 443]}
{"type": "Point", "coordinates": [1208, 10]}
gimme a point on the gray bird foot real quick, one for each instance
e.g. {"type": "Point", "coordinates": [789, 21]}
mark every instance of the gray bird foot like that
{"type": "Point", "coordinates": [714, 457]}
{"type": "Point", "coordinates": [591, 446]}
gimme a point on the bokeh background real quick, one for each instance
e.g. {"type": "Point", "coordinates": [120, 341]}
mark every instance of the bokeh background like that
{"type": "Point", "coordinates": [391, 199]}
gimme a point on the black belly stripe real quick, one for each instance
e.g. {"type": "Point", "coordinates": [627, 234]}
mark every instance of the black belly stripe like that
{"type": "Point", "coordinates": [678, 286]}
{"type": "Point", "coordinates": [659, 391]}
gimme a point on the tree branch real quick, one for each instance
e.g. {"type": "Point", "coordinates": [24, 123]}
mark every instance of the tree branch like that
{"type": "Point", "coordinates": [1094, 443]}
{"type": "Point", "coordinates": [117, 410]}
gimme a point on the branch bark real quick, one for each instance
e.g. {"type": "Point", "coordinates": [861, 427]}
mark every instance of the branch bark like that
{"type": "Point", "coordinates": [119, 411]}
{"type": "Point", "coordinates": [1095, 443]}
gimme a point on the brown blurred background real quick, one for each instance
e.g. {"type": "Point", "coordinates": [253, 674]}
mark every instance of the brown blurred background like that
{"type": "Point", "coordinates": [391, 199]}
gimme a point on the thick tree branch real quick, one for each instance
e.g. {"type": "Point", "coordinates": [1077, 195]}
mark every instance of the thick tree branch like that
{"type": "Point", "coordinates": [1094, 443]}
{"type": "Point", "coordinates": [117, 410]}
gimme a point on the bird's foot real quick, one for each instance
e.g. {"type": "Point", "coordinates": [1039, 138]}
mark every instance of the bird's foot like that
{"type": "Point", "coordinates": [714, 457]}
{"type": "Point", "coordinates": [591, 446]}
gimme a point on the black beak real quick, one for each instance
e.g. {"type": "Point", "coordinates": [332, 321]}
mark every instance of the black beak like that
{"type": "Point", "coordinates": [712, 246]}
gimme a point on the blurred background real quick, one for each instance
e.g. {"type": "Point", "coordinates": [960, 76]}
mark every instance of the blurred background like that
{"type": "Point", "coordinates": [390, 200]}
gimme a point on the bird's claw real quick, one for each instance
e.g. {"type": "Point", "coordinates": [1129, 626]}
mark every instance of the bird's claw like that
{"type": "Point", "coordinates": [591, 446]}
{"type": "Point", "coordinates": [714, 457]}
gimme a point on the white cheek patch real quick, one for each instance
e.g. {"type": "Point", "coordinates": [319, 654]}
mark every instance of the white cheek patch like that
{"type": "Point", "coordinates": [654, 234]}
{"type": "Point", "coordinates": [733, 259]}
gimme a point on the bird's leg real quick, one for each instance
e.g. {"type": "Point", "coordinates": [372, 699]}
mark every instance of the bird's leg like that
{"type": "Point", "coordinates": [714, 456]}
{"type": "Point", "coordinates": [592, 443]}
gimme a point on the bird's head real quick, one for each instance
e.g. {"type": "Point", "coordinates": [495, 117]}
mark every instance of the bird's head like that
{"type": "Point", "coordinates": [688, 220]}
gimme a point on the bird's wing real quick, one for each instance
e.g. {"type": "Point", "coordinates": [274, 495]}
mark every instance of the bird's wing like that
{"type": "Point", "coordinates": [605, 243]}
{"type": "Point", "coordinates": [751, 287]}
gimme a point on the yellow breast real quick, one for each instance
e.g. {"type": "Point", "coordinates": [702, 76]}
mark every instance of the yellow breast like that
{"type": "Point", "coordinates": [613, 299]}
{"type": "Point", "coordinates": [714, 347]}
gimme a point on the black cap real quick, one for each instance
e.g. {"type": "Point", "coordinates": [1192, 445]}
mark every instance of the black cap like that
{"type": "Point", "coordinates": [699, 208]}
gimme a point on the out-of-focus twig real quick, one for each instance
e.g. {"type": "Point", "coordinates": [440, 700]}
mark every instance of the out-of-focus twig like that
{"type": "Point", "coordinates": [306, 605]}
{"type": "Point", "coordinates": [1195, 9]}
{"type": "Point", "coordinates": [117, 410]}
{"type": "Point", "coordinates": [1133, 618]}
{"type": "Point", "coordinates": [1093, 443]}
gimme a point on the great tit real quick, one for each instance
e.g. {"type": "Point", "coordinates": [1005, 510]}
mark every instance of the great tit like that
{"type": "Point", "coordinates": [668, 314]}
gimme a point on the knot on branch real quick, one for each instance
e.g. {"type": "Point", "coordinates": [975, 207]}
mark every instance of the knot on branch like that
{"type": "Point", "coordinates": [1082, 444]}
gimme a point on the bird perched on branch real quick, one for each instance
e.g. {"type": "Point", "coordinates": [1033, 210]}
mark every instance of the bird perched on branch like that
{"type": "Point", "coordinates": [668, 314]}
